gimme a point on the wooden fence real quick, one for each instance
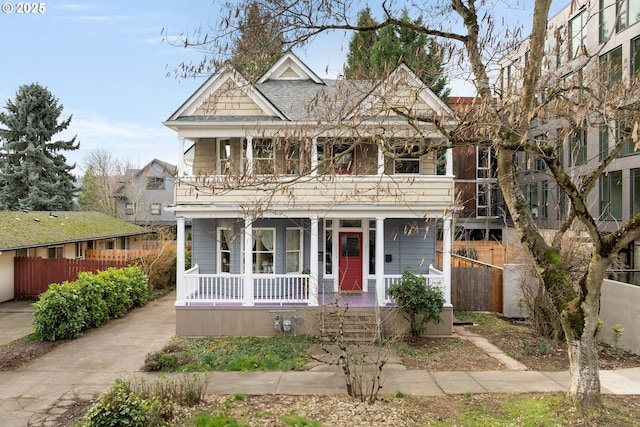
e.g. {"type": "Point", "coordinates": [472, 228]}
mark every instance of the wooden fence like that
{"type": "Point", "coordinates": [475, 286]}
{"type": "Point", "coordinates": [32, 276]}
{"type": "Point", "coordinates": [488, 252]}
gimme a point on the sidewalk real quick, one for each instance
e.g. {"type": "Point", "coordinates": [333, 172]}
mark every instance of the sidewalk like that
{"type": "Point", "coordinates": [38, 392]}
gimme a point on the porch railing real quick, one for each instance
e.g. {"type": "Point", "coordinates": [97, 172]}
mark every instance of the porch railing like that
{"type": "Point", "coordinates": [435, 278]}
{"type": "Point", "coordinates": [229, 288]}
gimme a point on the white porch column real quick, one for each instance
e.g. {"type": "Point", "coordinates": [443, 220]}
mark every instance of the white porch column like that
{"type": "Point", "coordinates": [380, 161]}
{"type": "Point", "coordinates": [249, 155]}
{"type": "Point", "coordinates": [181, 293]}
{"type": "Point", "coordinates": [313, 263]}
{"type": "Point", "coordinates": [449, 161]}
{"type": "Point", "coordinates": [248, 262]}
{"type": "Point", "coordinates": [380, 291]}
{"type": "Point", "coordinates": [314, 157]}
{"type": "Point", "coordinates": [446, 259]}
{"type": "Point", "coordinates": [181, 156]}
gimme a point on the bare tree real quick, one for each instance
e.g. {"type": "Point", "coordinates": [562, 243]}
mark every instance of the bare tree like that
{"type": "Point", "coordinates": [102, 177]}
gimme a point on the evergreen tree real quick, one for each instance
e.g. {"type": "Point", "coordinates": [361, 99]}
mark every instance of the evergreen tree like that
{"type": "Point", "coordinates": [374, 54]}
{"type": "Point", "coordinates": [360, 57]}
{"type": "Point", "coordinates": [34, 174]}
{"type": "Point", "coordinates": [260, 42]}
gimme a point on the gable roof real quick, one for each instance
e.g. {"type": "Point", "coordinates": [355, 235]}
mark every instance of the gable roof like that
{"type": "Point", "coordinates": [19, 230]}
{"type": "Point", "coordinates": [131, 174]}
{"type": "Point", "coordinates": [290, 92]}
{"type": "Point", "coordinates": [226, 82]}
{"type": "Point", "coordinates": [392, 93]}
{"type": "Point", "coordinates": [290, 67]}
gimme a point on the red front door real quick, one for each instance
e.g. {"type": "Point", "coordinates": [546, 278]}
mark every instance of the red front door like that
{"type": "Point", "coordinates": [350, 261]}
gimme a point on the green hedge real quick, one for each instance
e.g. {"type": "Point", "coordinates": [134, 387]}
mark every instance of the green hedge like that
{"type": "Point", "coordinates": [68, 308]}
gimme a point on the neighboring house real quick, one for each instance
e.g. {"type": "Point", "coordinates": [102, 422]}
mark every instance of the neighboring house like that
{"type": "Point", "coordinates": [475, 168]}
{"type": "Point", "coordinates": [610, 31]}
{"type": "Point", "coordinates": [143, 195]}
{"type": "Point", "coordinates": [58, 235]}
{"type": "Point", "coordinates": [302, 188]}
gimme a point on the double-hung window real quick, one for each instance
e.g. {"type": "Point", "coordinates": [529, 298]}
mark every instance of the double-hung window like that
{"type": "Point", "coordinates": [294, 250]}
{"type": "Point", "coordinates": [264, 156]}
{"type": "Point", "coordinates": [407, 160]}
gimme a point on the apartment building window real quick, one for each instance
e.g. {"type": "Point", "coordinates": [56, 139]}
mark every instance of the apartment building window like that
{"type": "Point", "coordinates": [532, 197]}
{"type": "Point", "coordinates": [603, 21]}
{"type": "Point", "coordinates": [624, 132]}
{"type": "Point", "coordinates": [635, 192]}
{"type": "Point", "coordinates": [562, 203]}
{"type": "Point", "coordinates": [224, 156]}
{"type": "Point", "coordinates": [263, 156]}
{"type": "Point", "coordinates": [294, 250]}
{"type": "Point", "coordinates": [156, 208]}
{"type": "Point", "coordinates": [603, 134]}
{"type": "Point", "coordinates": [628, 13]}
{"type": "Point", "coordinates": [486, 197]}
{"type": "Point", "coordinates": [611, 66]}
{"type": "Point", "coordinates": [130, 208]}
{"type": "Point", "coordinates": [611, 195]}
{"type": "Point", "coordinates": [635, 56]}
{"type": "Point", "coordinates": [55, 252]}
{"type": "Point", "coordinates": [578, 144]}
{"type": "Point", "coordinates": [577, 34]}
{"type": "Point", "coordinates": [155, 183]}
{"type": "Point", "coordinates": [544, 201]}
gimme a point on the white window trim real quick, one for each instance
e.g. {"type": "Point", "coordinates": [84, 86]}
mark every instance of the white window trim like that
{"type": "Point", "coordinates": [274, 250]}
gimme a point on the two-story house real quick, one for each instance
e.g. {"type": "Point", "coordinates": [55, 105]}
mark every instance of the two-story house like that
{"type": "Point", "coordinates": [143, 195]}
{"type": "Point", "coordinates": [302, 189]}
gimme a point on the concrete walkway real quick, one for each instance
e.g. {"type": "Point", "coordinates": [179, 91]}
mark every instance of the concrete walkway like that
{"type": "Point", "coordinates": [38, 392]}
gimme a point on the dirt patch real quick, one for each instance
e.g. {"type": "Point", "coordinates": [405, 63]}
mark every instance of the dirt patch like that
{"type": "Point", "coordinates": [270, 410]}
{"type": "Point", "coordinates": [13, 356]}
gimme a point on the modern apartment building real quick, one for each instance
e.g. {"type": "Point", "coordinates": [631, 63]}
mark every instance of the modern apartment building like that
{"type": "Point", "coordinates": [593, 45]}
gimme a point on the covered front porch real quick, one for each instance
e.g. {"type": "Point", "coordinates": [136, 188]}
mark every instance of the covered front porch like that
{"type": "Point", "coordinates": [301, 269]}
{"type": "Point", "coordinates": [303, 261]}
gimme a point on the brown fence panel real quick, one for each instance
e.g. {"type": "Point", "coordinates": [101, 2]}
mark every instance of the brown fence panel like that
{"type": "Point", "coordinates": [469, 290]}
{"type": "Point", "coordinates": [32, 276]}
{"type": "Point", "coordinates": [474, 291]}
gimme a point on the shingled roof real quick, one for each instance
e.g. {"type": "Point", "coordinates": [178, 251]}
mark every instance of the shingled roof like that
{"type": "Point", "coordinates": [20, 230]}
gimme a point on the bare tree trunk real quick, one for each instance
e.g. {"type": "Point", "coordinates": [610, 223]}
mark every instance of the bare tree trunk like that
{"type": "Point", "coordinates": [584, 386]}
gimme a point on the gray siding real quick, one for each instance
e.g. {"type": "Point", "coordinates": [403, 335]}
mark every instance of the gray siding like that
{"type": "Point", "coordinates": [409, 245]}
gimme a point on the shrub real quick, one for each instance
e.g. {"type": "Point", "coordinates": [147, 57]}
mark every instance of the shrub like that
{"type": "Point", "coordinates": [160, 267]}
{"type": "Point", "coordinates": [60, 313]}
{"type": "Point", "coordinates": [121, 406]}
{"type": "Point", "coordinates": [66, 309]}
{"type": "Point", "coordinates": [418, 301]}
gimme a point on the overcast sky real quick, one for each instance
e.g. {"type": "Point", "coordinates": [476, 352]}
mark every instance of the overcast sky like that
{"type": "Point", "coordinates": [107, 65]}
